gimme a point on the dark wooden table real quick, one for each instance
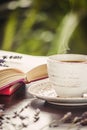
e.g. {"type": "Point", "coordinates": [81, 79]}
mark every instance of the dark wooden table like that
{"type": "Point", "coordinates": [37, 113]}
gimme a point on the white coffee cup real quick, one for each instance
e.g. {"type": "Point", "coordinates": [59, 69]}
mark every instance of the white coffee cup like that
{"type": "Point", "coordinates": [68, 74]}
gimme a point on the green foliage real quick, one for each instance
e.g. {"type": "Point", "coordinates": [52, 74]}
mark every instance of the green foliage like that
{"type": "Point", "coordinates": [46, 27]}
{"type": "Point", "coordinates": [9, 31]}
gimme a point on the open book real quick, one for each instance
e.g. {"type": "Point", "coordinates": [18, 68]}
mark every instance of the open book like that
{"type": "Point", "coordinates": [16, 68]}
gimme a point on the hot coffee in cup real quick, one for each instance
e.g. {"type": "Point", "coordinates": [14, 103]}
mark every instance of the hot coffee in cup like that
{"type": "Point", "coordinates": [68, 74]}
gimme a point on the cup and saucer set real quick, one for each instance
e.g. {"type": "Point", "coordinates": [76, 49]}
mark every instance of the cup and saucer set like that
{"type": "Point", "coordinates": [66, 84]}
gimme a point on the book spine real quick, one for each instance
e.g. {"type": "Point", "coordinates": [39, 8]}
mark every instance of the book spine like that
{"type": "Point", "coordinates": [11, 89]}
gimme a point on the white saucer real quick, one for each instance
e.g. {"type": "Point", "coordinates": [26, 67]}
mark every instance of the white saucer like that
{"type": "Point", "coordinates": [43, 90]}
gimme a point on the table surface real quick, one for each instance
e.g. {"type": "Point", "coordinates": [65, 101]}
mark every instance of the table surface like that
{"type": "Point", "coordinates": [24, 112]}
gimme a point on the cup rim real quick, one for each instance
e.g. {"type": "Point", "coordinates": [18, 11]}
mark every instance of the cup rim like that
{"type": "Point", "coordinates": [68, 58]}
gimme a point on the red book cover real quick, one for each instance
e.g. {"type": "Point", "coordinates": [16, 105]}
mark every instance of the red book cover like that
{"type": "Point", "coordinates": [15, 68]}
{"type": "Point", "coordinates": [11, 89]}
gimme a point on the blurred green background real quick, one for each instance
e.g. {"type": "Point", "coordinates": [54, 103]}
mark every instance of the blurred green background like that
{"type": "Point", "coordinates": [43, 27]}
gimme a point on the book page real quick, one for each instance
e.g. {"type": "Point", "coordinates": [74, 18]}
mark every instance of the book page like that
{"type": "Point", "coordinates": [20, 61]}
